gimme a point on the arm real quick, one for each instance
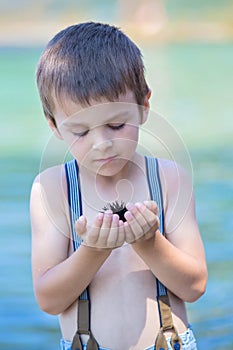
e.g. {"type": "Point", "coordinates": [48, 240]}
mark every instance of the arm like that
{"type": "Point", "coordinates": [178, 260]}
{"type": "Point", "coordinates": [58, 278]}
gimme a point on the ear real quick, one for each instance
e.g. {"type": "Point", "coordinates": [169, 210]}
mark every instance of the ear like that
{"type": "Point", "coordinates": [146, 107]}
{"type": "Point", "coordinates": [54, 128]}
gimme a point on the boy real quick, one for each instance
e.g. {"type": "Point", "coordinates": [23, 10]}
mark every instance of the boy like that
{"type": "Point", "coordinates": [94, 95]}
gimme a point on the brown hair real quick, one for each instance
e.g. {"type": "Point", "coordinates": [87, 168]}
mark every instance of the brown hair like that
{"type": "Point", "coordinates": [89, 61]}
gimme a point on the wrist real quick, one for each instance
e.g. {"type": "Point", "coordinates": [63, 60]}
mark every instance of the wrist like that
{"type": "Point", "coordinates": [97, 250]}
{"type": "Point", "coordinates": [145, 243]}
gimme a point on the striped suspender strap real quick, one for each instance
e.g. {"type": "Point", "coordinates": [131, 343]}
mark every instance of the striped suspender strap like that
{"type": "Point", "coordinates": [74, 198]}
{"type": "Point", "coordinates": [165, 315]}
{"type": "Point", "coordinates": [75, 206]}
{"type": "Point", "coordinates": [156, 195]}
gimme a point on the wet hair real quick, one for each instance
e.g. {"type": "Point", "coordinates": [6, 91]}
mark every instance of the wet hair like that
{"type": "Point", "coordinates": [89, 61]}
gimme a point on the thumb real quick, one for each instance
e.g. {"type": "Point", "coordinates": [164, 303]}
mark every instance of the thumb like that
{"type": "Point", "coordinates": [151, 205]}
{"type": "Point", "coordinates": [81, 225]}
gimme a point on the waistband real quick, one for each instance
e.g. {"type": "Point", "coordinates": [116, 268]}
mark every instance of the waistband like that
{"type": "Point", "coordinates": [188, 342]}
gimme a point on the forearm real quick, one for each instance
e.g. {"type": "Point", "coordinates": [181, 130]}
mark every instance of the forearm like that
{"type": "Point", "coordinates": [61, 285]}
{"type": "Point", "coordinates": [181, 273]}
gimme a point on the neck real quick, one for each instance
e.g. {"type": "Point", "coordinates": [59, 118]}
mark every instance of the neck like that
{"type": "Point", "coordinates": [119, 187]}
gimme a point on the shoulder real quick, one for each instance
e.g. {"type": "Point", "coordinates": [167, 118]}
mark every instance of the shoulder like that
{"type": "Point", "coordinates": [173, 175]}
{"type": "Point", "coordinates": [49, 194]}
{"type": "Point", "coordinates": [177, 189]}
{"type": "Point", "coordinates": [50, 180]}
{"type": "Point", "coordinates": [55, 172]}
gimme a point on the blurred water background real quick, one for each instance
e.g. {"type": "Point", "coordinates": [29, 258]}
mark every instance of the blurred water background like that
{"type": "Point", "coordinates": [188, 59]}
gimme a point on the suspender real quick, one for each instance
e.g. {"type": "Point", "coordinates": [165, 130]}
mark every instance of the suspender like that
{"type": "Point", "coordinates": [84, 309]}
{"type": "Point", "coordinates": [75, 204]}
{"type": "Point", "coordinates": [165, 315]}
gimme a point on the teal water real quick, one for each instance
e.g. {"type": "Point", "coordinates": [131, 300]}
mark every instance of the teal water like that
{"type": "Point", "coordinates": [192, 87]}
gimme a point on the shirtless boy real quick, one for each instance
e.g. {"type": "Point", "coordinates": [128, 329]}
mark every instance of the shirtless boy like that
{"type": "Point", "coordinates": [94, 95]}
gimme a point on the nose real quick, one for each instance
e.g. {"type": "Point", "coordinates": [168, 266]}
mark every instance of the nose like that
{"type": "Point", "coordinates": [101, 140]}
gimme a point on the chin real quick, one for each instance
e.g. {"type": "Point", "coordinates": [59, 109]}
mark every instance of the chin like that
{"type": "Point", "coordinates": [107, 172]}
{"type": "Point", "coordinates": [111, 169]}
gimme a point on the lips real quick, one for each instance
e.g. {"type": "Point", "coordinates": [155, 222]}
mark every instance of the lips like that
{"type": "Point", "coordinates": [105, 160]}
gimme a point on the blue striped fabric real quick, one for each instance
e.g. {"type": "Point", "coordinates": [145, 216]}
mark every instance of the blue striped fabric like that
{"type": "Point", "coordinates": [74, 198]}
{"type": "Point", "coordinates": [156, 194]}
{"type": "Point", "coordinates": [75, 205]}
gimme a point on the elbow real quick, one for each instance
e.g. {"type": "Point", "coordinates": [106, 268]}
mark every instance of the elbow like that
{"type": "Point", "coordinates": [49, 310]}
{"type": "Point", "coordinates": [195, 293]}
{"type": "Point", "coordinates": [47, 305]}
{"type": "Point", "coordinates": [46, 302]}
{"type": "Point", "coordinates": [197, 289]}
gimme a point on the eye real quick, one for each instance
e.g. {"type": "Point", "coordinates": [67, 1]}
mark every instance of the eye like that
{"type": "Point", "coordinates": [80, 134]}
{"type": "Point", "coordinates": [116, 126]}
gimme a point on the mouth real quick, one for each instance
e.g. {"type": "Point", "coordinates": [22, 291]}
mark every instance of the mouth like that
{"type": "Point", "coordinates": [105, 160]}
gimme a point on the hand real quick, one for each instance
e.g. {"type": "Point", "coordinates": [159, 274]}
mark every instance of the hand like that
{"type": "Point", "coordinates": [107, 231]}
{"type": "Point", "coordinates": [141, 221]}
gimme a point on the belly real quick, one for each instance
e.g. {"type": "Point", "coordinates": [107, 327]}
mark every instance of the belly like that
{"type": "Point", "coordinates": [124, 311]}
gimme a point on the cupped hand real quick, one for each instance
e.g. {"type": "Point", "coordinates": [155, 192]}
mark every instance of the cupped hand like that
{"type": "Point", "coordinates": [107, 231]}
{"type": "Point", "coordinates": [142, 221]}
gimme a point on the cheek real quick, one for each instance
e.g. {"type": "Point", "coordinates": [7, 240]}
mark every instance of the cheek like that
{"type": "Point", "coordinates": [77, 147]}
{"type": "Point", "coordinates": [130, 137]}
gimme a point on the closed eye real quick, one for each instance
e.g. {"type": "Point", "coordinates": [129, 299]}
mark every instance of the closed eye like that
{"type": "Point", "coordinates": [111, 126]}
{"type": "Point", "coordinates": [116, 126]}
{"type": "Point", "coordinates": [80, 134]}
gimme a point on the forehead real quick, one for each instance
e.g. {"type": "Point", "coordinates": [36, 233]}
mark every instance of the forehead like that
{"type": "Point", "coordinates": [68, 111]}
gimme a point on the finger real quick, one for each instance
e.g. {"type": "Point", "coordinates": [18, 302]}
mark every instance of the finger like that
{"type": "Point", "coordinates": [149, 215]}
{"type": "Point", "coordinates": [94, 232]}
{"type": "Point", "coordinates": [121, 234]}
{"type": "Point", "coordinates": [105, 229]}
{"type": "Point", "coordinates": [140, 217]}
{"type": "Point", "coordinates": [151, 205]}
{"type": "Point", "coordinates": [81, 225]}
{"type": "Point", "coordinates": [129, 236]}
{"type": "Point", "coordinates": [134, 225]}
{"type": "Point", "coordinates": [140, 224]}
{"type": "Point", "coordinates": [112, 237]}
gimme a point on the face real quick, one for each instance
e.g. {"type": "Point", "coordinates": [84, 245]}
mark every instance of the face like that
{"type": "Point", "coordinates": [103, 137]}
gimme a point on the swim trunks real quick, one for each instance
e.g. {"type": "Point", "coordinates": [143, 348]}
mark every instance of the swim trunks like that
{"type": "Point", "coordinates": [188, 342]}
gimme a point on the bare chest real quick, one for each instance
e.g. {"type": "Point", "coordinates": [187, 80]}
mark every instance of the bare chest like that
{"type": "Point", "coordinates": [123, 278]}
